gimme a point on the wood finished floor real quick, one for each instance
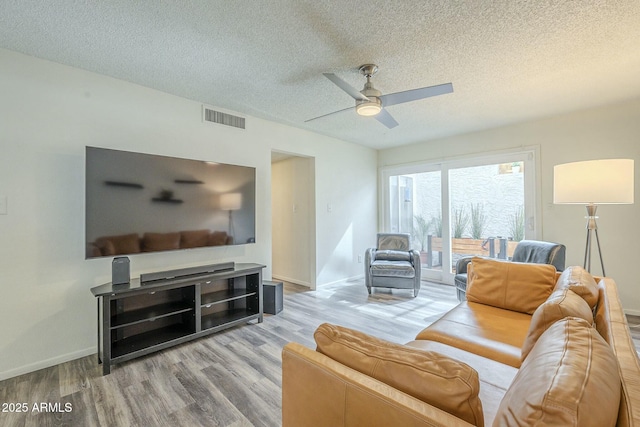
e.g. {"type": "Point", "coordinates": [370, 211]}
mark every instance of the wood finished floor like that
{"type": "Point", "coordinates": [232, 378]}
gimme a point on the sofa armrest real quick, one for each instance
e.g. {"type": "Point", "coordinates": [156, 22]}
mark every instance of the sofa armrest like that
{"type": "Point", "coordinates": [462, 263]}
{"type": "Point", "coordinates": [317, 391]}
{"type": "Point", "coordinates": [414, 256]}
{"type": "Point", "coordinates": [369, 256]}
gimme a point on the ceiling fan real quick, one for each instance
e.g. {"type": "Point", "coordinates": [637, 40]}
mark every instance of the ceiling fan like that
{"type": "Point", "coordinates": [371, 102]}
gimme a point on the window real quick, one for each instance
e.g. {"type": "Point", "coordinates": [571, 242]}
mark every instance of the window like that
{"type": "Point", "coordinates": [470, 206]}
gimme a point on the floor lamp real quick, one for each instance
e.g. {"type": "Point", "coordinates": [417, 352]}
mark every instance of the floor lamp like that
{"type": "Point", "coordinates": [231, 202]}
{"type": "Point", "coordinates": [592, 183]}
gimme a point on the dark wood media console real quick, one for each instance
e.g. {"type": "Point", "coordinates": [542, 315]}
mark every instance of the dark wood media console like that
{"type": "Point", "coordinates": [141, 317]}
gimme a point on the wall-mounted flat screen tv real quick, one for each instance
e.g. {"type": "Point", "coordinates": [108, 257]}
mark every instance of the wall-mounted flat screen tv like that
{"type": "Point", "coordinates": [138, 203]}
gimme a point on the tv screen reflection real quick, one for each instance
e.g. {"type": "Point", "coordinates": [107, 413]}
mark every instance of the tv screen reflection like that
{"type": "Point", "coordinates": [137, 203]}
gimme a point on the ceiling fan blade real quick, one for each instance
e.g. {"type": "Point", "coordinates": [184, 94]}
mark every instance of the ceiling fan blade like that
{"type": "Point", "coordinates": [329, 114]}
{"type": "Point", "coordinates": [355, 93]}
{"type": "Point", "coordinates": [415, 94]}
{"type": "Point", "coordinates": [386, 119]}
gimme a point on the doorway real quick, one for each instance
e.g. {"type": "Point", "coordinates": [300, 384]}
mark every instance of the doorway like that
{"type": "Point", "coordinates": [293, 234]}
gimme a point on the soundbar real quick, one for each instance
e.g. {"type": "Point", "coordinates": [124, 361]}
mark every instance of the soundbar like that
{"type": "Point", "coordinates": [184, 272]}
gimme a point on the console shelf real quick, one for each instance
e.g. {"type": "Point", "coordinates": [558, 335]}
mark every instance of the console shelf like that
{"type": "Point", "coordinates": [149, 314]}
{"type": "Point", "coordinates": [138, 318]}
{"type": "Point", "coordinates": [218, 319]}
{"type": "Point", "coordinates": [147, 340]}
{"type": "Point", "coordinates": [225, 296]}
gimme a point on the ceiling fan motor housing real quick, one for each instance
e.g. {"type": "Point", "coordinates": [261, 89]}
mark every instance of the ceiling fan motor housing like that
{"type": "Point", "coordinates": [370, 107]}
{"type": "Point", "coordinates": [373, 105]}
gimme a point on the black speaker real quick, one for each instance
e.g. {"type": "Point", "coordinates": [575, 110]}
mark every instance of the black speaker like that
{"type": "Point", "coordinates": [272, 293]}
{"type": "Point", "coordinates": [120, 270]}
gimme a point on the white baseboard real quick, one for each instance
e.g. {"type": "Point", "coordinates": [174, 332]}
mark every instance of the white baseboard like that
{"type": "Point", "coordinates": [308, 285]}
{"type": "Point", "coordinates": [47, 363]}
{"type": "Point", "coordinates": [632, 312]}
{"type": "Point", "coordinates": [290, 280]}
{"type": "Point", "coordinates": [348, 279]}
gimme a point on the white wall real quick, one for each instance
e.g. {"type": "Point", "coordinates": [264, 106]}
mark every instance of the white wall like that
{"type": "Point", "coordinates": [293, 210]}
{"type": "Point", "coordinates": [49, 113]}
{"type": "Point", "coordinates": [346, 193]}
{"type": "Point", "coordinates": [606, 132]}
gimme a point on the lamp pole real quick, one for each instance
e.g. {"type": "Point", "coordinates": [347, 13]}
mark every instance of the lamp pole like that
{"type": "Point", "coordinates": [231, 230]}
{"type": "Point", "coordinates": [592, 228]}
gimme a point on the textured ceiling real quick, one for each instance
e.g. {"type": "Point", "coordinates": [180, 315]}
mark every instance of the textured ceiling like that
{"type": "Point", "coordinates": [509, 61]}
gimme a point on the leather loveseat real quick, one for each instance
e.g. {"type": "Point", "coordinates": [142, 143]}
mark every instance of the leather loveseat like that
{"type": "Point", "coordinates": [127, 244]}
{"type": "Point", "coordinates": [530, 346]}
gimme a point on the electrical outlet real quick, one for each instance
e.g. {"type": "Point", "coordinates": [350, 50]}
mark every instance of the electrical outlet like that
{"type": "Point", "coordinates": [360, 259]}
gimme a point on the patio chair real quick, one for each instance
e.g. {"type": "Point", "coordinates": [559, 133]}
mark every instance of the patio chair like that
{"type": "Point", "coordinates": [392, 264]}
{"type": "Point", "coordinates": [532, 251]}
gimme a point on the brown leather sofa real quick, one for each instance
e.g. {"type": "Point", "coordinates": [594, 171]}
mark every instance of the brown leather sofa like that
{"type": "Point", "coordinates": [127, 244]}
{"type": "Point", "coordinates": [530, 346]}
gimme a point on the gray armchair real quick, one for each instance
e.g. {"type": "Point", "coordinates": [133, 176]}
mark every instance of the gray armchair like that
{"type": "Point", "coordinates": [532, 251]}
{"type": "Point", "coordinates": [392, 264]}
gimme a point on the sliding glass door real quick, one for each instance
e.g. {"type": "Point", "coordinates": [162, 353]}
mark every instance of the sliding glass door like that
{"type": "Point", "coordinates": [472, 206]}
{"type": "Point", "coordinates": [416, 208]}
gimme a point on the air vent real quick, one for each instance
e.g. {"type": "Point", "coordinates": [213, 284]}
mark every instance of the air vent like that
{"type": "Point", "coordinates": [224, 118]}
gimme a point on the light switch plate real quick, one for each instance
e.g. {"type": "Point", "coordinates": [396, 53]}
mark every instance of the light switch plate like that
{"type": "Point", "coordinates": [3, 205]}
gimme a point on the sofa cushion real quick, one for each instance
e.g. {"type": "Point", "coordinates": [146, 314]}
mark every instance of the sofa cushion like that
{"type": "Point", "coordinates": [108, 249]}
{"type": "Point", "coordinates": [495, 377]}
{"type": "Point", "coordinates": [581, 282]}
{"type": "Point", "coordinates": [511, 285]}
{"type": "Point", "coordinates": [436, 379]}
{"type": "Point", "coordinates": [119, 245]}
{"type": "Point", "coordinates": [562, 303]}
{"type": "Point", "coordinates": [394, 241]}
{"type": "Point", "coordinates": [392, 269]}
{"type": "Point", "coordinates": [194, 239]}
{"type": "Point", "coordinates": [488, 331]}
{"type": "Point", "coordinates": [569, 379]}
{"type": "Point", "coordinates": [391, 255]}
{"type": "Point", "coordinates": [160, 241]}
{"type": "Point", "coordinates": [218, 238]}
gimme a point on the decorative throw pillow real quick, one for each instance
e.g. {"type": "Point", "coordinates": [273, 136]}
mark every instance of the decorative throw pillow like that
{"type": "Point", "coordinates": [581, 282]}
{"type": "Point", "coordinates": [562, 303]}
{"type": "Point", "coordinates": [510, 285]}
{"type": "Point", "coordinates": [569, 379]}
{"type": "Point", "coordinates": [433, 378]}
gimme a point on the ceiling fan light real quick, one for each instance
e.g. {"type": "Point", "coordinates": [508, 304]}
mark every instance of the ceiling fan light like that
{"type": "Point", "coordinates": [369, 108]}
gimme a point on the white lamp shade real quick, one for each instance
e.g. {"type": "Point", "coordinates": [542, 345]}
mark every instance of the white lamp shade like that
{"type": "Point", "coordinates": [597, 182]}
{"type": "Point", "coordinates": [230, 201]}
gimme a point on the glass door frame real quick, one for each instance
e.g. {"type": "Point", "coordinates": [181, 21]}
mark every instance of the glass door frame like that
{"type": "Point", "coordinates": [532, 205]}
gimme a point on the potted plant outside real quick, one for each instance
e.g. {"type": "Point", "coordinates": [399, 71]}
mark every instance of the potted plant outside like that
{"type": "Point", "coordinates": [421, 232]}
